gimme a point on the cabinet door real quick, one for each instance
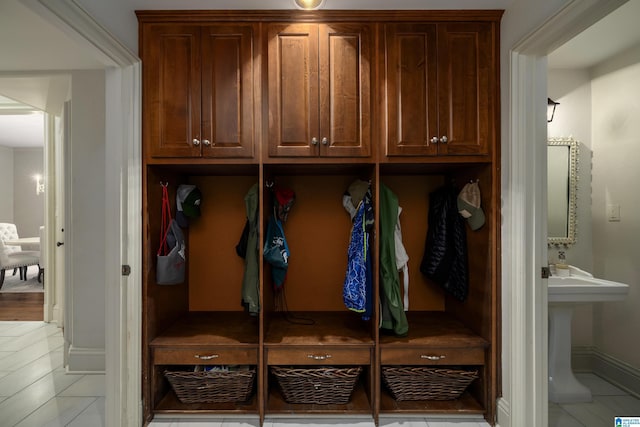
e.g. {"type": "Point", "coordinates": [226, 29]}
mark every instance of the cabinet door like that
{"type": "Point", "coordinates": [171, 97]}
{"type": "Point", "coordinates": [228, 126]}
{"type": "Point", "coordinates": [466, 85]}
{"type": "Point", "coordinates": [345, 90]}
{"type": "Point", "coordinates": [411, 92]}
{"type": "Point", "coordinates": [293, 89]}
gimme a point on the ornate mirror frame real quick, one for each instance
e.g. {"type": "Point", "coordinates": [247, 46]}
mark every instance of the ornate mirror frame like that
{"type": "Point", "coordinates": [572, 201]}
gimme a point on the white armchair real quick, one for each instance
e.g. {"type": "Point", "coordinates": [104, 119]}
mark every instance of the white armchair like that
{"type": "Point", "coordinates": [15, 259]}
{"type": "Point", "coordinates": [9, 231]}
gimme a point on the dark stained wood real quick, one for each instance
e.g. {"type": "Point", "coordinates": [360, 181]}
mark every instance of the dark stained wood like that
{"type": "Point", "coordinates": [198, 90]}
{"type": "Point", "coordinates": [464, 405]}
{"type": "Point", "coordinates": [412, 89]}
{"type": "Point", "coordinates": [345, 52]}
{"type": "Point", "coordinates": [171, 90]}
{"type": "Point", "coordinates": [199, 329]}
{"type": "Point", "coordinates": [466, 87]}
{"type": "Point", "coordinates": [434, 329]}
{"type": "Point", "coordinates": [170, 404]}
{"type": "Point", "coordinates": [358, 404]}
{"type": "Point", "coordinates": [440, 83]}
{"type": "Point", "coordinates": [293, 89]}
{"type": "Point", "coordinates": [319, 83]}
{"type": "Point", "coordinates": [325, 328]}
{"type": "Point", "coordinates": [228, 103]}
{"type": "Point", "coordinates": [26, 306]}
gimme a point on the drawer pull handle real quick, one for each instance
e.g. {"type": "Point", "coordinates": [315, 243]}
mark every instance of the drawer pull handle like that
{"type": "Point", "coordinates": [319, 356]}
{"type": "Point", "coordinates": [212, 356]}
{"type": "Point", "coordinates": [429, 357]}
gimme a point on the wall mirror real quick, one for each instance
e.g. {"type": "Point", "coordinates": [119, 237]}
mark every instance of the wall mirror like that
{"type": "Point", "coordinates": [562, 190]}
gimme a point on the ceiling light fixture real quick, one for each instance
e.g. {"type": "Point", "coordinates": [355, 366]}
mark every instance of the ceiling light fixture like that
{"type": "Point", "coordinates": [308, 4]}
{"type": "Point", "coordinates": [551, 109]}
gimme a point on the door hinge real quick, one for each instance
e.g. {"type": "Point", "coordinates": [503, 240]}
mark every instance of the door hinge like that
{"type": "Point", "coordinates": [126, 270]}
{"type": "Point", "coordinates": [546, 272]}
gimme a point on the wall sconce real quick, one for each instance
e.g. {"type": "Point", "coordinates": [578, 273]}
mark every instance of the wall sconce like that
{"type": "Point", "coordinates": [551, 109]}
{"type": "Point", "coordinates": [39, 184]}
{"type": "Point", "coordinates": [308, 4]}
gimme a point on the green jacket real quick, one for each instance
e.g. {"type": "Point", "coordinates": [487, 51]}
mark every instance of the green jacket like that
{"type": "Point", "coordinates": [393, 316]}
{"type": "Point", "coordinates": [251, 279]}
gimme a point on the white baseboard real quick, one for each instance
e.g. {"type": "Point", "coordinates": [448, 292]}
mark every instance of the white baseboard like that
{"type": "Point", "coordinates": [615, 371]}
{"type": "Point", "coordinates": [503, 413]}
{"type": "Point", "coordinates": [86, 360]}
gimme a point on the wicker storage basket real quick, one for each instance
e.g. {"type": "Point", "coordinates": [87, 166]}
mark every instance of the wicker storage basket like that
{"type": "Point", "coordinates": [212, 386]}
{"type": "Point", "coordinates": [423, 383]}
{"type": "Point", "coordinates": [321, 385]}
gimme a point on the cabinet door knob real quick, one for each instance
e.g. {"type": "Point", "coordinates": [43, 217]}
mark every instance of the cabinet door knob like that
{"type": "Point", "coordinates": [211, 356]}
{"type": "Point", "coordinates": [196, 142]}
{"type": "Point", "coordinates": [431, 357]}
{"type": "Point", "coordinates": [434, 140]}
{"type": "Point", "coordinates": [444, 139]}
{"type": "Point", "coordinates": [325, 141]}
{"type": "Point", "coordinates": [206, 142]}
{"type": "Point", "coordinates": [314, 141]}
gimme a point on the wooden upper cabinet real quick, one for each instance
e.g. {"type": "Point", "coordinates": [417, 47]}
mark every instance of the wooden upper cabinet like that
{"type": "Point", "coordinates": [440, 88]}
{"type": "Point", "coordinates": [199, 91]}
{"type": "Point", "coordinates": [319, 90]}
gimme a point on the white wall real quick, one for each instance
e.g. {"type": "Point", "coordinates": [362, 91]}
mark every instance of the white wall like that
{"type": "Point", "coordinates": [572, 88]}
{"type": "Point", "coordinates": [85, 231]}
{"type": "Point", "coordinates": [616, 174]}
{"type": "Point", "coordinates": [28, 209]}
{"type": "Point", "coordinates": [6, 184]}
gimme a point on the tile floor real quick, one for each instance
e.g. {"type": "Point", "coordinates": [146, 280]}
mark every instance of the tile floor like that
{"type": "Point", "coordinates": [608, 402]}
{"type": "Point", "coordinates": [36, 391]}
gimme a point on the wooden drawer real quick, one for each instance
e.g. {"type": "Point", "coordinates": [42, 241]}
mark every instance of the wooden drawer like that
{"type": "Point", "coordinates": [319, 356]}
{"type": "Point", "coordinates": [205, 356]}
{"type": "Point", "coordinates": [432, 356]}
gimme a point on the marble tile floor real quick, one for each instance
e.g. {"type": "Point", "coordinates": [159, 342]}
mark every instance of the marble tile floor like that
{"type": "Point", "coordinates": [608, 402]}
{"type": "Point", "coordinates": [36, 391]}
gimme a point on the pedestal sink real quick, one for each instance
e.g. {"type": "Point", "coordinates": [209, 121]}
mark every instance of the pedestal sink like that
{"type": "Point", "coordinates": [564, 293]}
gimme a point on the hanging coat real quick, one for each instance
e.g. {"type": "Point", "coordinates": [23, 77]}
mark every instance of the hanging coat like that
{"type": "Point", "coordinates": [445, 252]}
{"type": "Point", "coordinates": [357, 292]}
{"type": "Point", "coordinates": [251, 279]}
{"type": "Point", "coordinates": [393, 316]}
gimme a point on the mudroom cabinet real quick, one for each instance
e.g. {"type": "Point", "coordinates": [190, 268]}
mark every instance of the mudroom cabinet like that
{"type": "Point", "coordinates": [439, 88]}
{"type": "Point", "coordinates": [307, 110]}
{"type": "Point", "coordinates": [319, 89]}
{"type": "Point", "coordinates": [199, 90]}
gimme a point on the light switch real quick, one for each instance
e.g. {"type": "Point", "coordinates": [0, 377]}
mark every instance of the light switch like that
{"type": "Point", "coordinates": [613, 213]}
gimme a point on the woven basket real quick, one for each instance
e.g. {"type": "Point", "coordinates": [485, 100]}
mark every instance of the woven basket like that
{"type": "Point", "coordinates": [422, 383]}
{"type": "Point", "coordinates": [325, 385]}
{"type": "Point", "coordinates": [212, 386]}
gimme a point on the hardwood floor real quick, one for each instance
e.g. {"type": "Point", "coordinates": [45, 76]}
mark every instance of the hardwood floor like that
{"type": "Point", "coordinates": [22, 306]}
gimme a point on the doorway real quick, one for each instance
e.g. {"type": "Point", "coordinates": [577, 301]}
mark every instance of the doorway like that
{"type": "Point", "coordinates": [22, 175]}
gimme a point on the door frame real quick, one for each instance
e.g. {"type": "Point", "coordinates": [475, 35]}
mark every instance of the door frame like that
{"type": "Point", "coordinates": [123, 201]}
{"type": "Point", "coordinates": [524, 164]}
